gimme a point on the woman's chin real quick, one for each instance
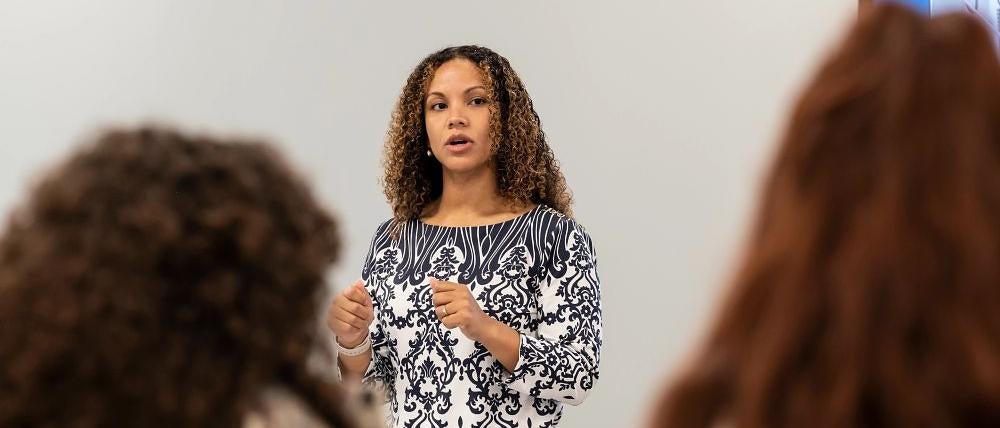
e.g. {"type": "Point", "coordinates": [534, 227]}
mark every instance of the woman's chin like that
{"type": "Point", "coordinates": [465, 166]}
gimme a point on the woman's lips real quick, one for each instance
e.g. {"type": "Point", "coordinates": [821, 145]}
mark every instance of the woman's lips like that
{"type": "Point", "coordinates": [458, 147]}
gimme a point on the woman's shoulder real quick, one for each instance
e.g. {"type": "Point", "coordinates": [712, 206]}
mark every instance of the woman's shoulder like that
{"type": "Point", "coordinates": [554, 222]}
{"type": "Point", "coordinates": [383, 235]}
{"type": "Point", "coordinates": [384, 226]}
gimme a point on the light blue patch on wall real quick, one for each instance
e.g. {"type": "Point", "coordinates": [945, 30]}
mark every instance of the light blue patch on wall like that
{"type": "Point", "coordinates": [922, 6]}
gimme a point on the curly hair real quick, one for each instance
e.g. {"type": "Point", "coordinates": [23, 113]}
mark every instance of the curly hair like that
{"type": "Point", "coordinates": [870, 291]}
{"type": "Point", "coordinates": [527, 170]}
{"type": "Point", "coordinates": [156, 279]}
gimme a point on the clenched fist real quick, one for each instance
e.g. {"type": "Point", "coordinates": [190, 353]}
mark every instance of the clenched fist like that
{"type": "Point", "coordinates": [455, 307]}
{"type": "Point", "coordinates": [351, 313]}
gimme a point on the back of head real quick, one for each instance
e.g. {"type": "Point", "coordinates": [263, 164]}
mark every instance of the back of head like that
{"type": "Point", "coordinates": [159, 279]}
{"type": "Point", "coordinates": [869, 291]}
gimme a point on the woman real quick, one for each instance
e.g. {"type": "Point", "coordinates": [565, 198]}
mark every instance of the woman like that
{"type": "Point", "coordinates": [158, 279]}
{"type": "Point", "coordinates": [870, 292]}
{"type": "Point", "coordinates": [479, 303]}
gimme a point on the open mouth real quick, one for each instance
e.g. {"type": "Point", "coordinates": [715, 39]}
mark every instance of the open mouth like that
{"type": "Point", "coordinates": [458, 143]}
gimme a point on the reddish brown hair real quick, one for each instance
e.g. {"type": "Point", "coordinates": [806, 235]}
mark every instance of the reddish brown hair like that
{"type": "Point", "coordinates": [157, 279]}
{"type": "Point", "coordinates": [870, 290]}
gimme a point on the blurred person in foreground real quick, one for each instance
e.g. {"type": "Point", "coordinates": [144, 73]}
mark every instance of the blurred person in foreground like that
{"type": "Point", "coordinates": [158, 279]}
{"type": "Point", "coordinates": [869, 292]}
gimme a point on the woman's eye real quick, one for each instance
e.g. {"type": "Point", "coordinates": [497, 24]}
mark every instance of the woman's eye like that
{"type": "Point", "coordinates": [478, 101]}
{"type": "Point", "coordinates": [438, 106]}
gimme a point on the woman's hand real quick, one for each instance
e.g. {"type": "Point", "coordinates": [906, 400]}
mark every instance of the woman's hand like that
{"type": "Point", "coordinates": [455, 307]}
{"type": "Point", "coordinates": [350, 315]}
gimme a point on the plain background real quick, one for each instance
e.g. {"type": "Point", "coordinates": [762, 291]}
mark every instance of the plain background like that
{"type": "Point", "coordinates": [662, 113]}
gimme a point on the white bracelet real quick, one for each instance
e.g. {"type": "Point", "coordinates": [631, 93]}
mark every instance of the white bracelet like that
{"type": "Point", "coordinates": [362, 347]}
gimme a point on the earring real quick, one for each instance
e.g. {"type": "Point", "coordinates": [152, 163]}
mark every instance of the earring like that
{"type": "Point", "coordinates": [428, 152]}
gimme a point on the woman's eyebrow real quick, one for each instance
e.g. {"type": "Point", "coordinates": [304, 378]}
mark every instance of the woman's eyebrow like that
{"type": "Point", "coordinates": [439, 94]}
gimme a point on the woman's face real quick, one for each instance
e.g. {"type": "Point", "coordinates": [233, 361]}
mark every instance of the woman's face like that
{"type": "Point", "coordinates": [457, 116]}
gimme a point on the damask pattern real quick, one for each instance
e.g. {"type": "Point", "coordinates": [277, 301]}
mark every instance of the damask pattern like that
{"type": "Point", "coordinates": [535, 273]}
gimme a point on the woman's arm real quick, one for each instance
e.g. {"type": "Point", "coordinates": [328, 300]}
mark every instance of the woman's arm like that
{"type": "Point", "coordinates": [560, 361]}
{"type": "Point", "coordinates": [455, 307]}
{"type": "Point", "coordinates": [353, 368]}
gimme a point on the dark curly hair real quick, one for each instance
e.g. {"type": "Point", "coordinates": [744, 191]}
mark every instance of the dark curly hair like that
{"type": "Point", "coordinates": [161, 280]}
{"type": "Point", "coordinates": [527, 170]}
{"type": "Point", "coordinates": [870, 291]}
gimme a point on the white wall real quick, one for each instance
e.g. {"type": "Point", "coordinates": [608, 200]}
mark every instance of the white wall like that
{"type": "Point", "coordinates": [662, 113]}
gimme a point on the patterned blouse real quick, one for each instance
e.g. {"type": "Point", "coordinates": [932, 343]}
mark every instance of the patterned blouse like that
{"type": "Point", "coordinates": [535, 273]}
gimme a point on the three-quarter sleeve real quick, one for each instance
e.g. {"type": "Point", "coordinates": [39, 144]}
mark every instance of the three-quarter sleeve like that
{"type": "Point", "coordinates": [560, 360]}
{"type": "Point", "coordinates": [381, 371]}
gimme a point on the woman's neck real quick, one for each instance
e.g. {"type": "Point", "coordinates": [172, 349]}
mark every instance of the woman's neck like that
{"type": "Point", "coordinates": [475, 192]}
{"type": "Point", "coordinates": [470, 199]}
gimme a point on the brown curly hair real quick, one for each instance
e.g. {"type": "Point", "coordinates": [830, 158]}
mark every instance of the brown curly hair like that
{"type": "Point", "coordinates": [527, 170]}
{"type": "Point", "coordinates": [870, 291]}
{"type": "Point", "coordinates": [161, 280]}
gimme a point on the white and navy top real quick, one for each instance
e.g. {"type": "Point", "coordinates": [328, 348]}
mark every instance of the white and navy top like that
{"type": "Point", "coordinates": [536, 273]}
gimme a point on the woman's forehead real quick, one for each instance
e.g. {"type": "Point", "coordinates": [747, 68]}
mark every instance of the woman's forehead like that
{"type": "Point", "coordinates": [456, 74]}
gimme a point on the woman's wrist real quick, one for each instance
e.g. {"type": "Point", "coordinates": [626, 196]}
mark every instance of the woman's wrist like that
{"type": "Point", "coordinates": [487, 330]}
{"type": "Point", "coordinates": [502, 341]}
{"type": "Point", "coordinates": [493, 331]}
{"type": "Point", "coordinates": [352, 346]}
